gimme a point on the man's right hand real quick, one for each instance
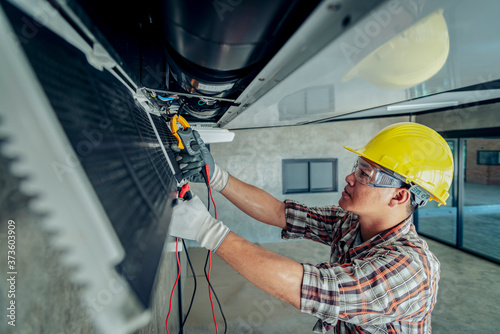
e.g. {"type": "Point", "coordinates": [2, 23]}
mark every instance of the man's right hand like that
{"type": "Point", "coordinates": [191, 166]}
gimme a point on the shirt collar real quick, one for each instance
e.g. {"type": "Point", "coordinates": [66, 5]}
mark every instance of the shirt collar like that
{"type": "Point", "coordinates": [387, 236]}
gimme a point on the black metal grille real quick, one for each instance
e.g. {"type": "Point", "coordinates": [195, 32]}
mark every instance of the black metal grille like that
{"type": "Point", "coordinates": [116, 145]}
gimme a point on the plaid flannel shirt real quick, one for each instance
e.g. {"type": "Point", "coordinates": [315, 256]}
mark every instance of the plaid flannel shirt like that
{"type": "Point", "coordinates": [387, 284]}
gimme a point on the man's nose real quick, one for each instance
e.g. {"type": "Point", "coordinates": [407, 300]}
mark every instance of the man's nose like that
{"type": "Point", "coordinates": [350, 179]}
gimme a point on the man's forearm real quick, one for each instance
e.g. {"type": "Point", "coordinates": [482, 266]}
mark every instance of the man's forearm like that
{"type": "Point", "coordinates": [275, 274]}
{"type": "Point", "coordinates": [255, 202]}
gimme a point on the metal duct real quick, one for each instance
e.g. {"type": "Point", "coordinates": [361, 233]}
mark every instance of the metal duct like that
{"type": "Point", "coordinates": [214, 44]}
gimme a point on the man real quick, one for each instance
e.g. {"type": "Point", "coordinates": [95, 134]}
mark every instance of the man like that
{"type": "Point", "coordinates": [381, 277]}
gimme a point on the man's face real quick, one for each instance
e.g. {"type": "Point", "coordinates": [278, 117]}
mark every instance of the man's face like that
{"type": "Point", "coordinates": [363, 199]}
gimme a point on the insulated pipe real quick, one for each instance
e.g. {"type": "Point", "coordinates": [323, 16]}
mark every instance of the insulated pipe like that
{"type": "Point", "coordinates": [213, 44]}
{"type": "Point", "coordinates": [225, 35]}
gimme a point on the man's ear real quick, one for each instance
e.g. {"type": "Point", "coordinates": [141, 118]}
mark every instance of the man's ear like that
{"type": "Point", "coordinates": [401, 197]}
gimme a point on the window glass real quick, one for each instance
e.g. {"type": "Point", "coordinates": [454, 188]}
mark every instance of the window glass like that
{"type": "Point", "coordinates": [321, 175]}
{"type": "Point", "coordinates": [440, 222]}
{"type": "Point", "coordinates": [296, 176]}
{"type": "Point", "coordinates": [309, 175]}
{"type": "Point", "coordinates": [491, 158]}
{"type": "Point", "coordinates": [481, 213]}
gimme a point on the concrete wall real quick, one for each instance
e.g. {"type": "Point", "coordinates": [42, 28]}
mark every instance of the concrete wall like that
{"type": "Point", "coordinates": [255, 156]}
{"type": "Point", "coordinates": [472, 117]}
{"type": "Point", "coordinates": [485, 174]}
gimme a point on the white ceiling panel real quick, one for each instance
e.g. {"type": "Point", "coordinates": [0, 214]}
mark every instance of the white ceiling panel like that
{"type": "Point", "coordinates": [401, 51]}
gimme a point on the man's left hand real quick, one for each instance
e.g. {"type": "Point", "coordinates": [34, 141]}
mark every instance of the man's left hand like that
{"type": "Point", "coordinates": [191, 220]}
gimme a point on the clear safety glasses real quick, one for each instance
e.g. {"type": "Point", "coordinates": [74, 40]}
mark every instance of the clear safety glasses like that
{"type": "Point", "coordinates": [369, 175]}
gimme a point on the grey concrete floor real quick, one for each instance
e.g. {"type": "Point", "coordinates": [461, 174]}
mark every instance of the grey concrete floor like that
{"type": "Point", "coordinates": [468, 298]}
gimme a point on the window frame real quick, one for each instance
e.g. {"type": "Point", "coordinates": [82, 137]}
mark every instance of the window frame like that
{"type": "Point", "coordinates": [460, 137]}
{"type": "Point", "coordinates": [284, 176]}
{"type": "Point", "coordinates": [488, 151]}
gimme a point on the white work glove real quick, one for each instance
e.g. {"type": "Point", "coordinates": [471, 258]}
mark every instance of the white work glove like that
{"type": "Point", "coordinates": [191, 220]}
{"type": "Point", "coordinates": [219, 178]}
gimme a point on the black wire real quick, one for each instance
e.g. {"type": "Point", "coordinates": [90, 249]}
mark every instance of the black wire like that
{"type": "Point", "coordinates": [194, 290]}
{"type": "Point", "coordinates": [208, 205]}
{"type": "Point", "coordinates": [204, 173]}
{"type": "Point", "coordinates": [205, 176]}
{"type": "Point", "coordinates": [212, 288]}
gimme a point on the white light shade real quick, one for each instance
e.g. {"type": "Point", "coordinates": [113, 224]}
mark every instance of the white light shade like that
{"type": "Point", "coordinates": [420, 106]}
{"type": "Point", "coordinates": [214, 135]}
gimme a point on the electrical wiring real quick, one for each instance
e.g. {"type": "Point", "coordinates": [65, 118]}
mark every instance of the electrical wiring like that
{"type": "Point", "coordinates": [202, 101]}
{"type": "Point", "coordinates": [206, 174]}
{"type": "Point", "coordinates": [210, 192]}
{"type": "Point", "coordinates": [194, 289]}
{"type": "Point", "coordinates": [207, 260]}
{"type": "Point", "coordinates": [176, 281]}
{"type": "Point", "coordinates": [209, 255]}
{"type": "Point", "coordinates": [163, 98]}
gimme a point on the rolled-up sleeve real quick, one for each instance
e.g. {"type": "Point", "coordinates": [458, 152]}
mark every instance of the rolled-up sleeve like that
{"type": "Point", "coordinates": [315, 223]}
{"type": "Point", "coordinates": [377, 291]}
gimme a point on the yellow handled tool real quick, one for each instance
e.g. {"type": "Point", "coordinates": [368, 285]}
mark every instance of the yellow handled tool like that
{"type": "Point", "coordinates": [175, 129]}
{"type": "Point", "coordinates": [185, 137]}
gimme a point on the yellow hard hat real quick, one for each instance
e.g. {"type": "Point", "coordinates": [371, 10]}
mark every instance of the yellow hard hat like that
{"type": "Point", "coordinates": [415, 152]}
{"type": "Point", "coordinates": [408, 59]}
